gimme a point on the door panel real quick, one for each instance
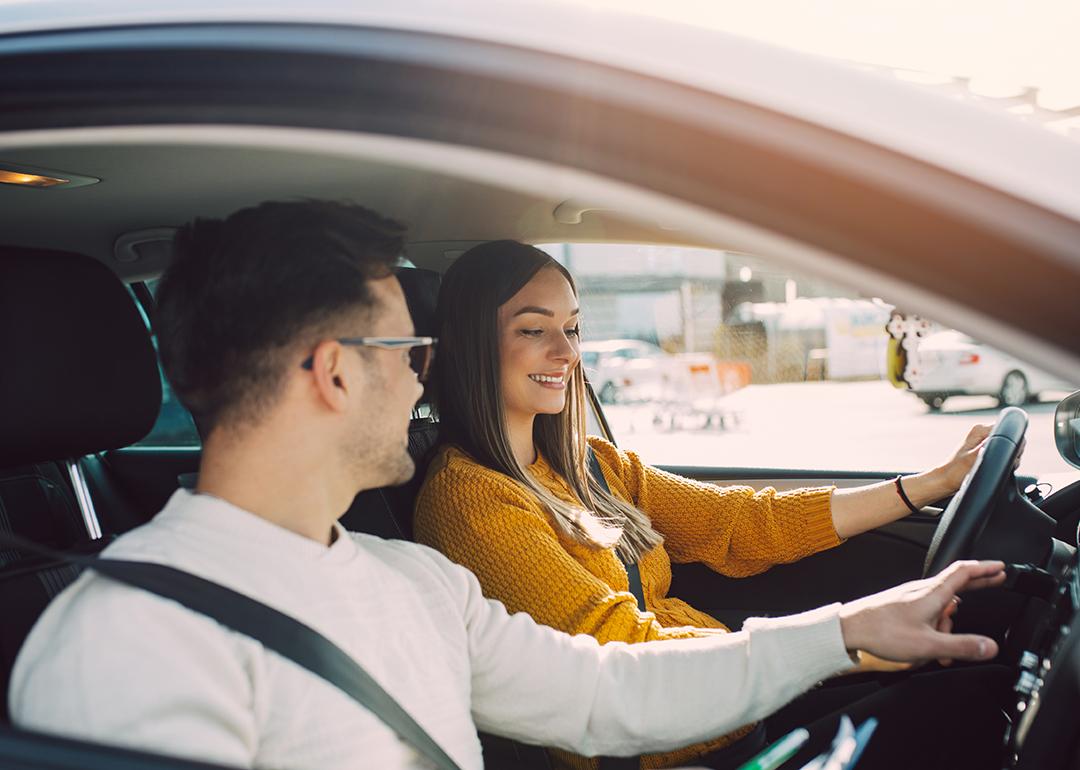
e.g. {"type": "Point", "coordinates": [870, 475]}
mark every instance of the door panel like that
{"type": "Point", "coordinates": [864, 564]}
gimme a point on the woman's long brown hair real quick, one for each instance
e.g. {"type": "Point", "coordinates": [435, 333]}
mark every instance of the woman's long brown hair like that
{"type": "Point", "coordinates": [472, 415]}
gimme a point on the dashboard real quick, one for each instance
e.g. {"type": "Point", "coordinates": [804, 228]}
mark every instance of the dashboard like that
{"type": "Point", "coordinates": [1044, 728]}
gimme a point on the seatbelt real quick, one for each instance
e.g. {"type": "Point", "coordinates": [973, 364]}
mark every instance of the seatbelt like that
{"type": "Point", "coordinates": [275, 630]}
{"type": "Point", "coordinates": [633, 574]}
{"type": "Point", "coordinates": [633, 577]}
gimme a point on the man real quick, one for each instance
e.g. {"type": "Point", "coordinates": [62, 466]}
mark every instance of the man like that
{"type": "Point", "coordinates": [272, 327]}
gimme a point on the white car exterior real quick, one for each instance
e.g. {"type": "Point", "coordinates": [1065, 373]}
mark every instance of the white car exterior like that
{"type": "Point", "coordinates": [954, 364]}
{"type": "Point", "coordinates": [621, 369]}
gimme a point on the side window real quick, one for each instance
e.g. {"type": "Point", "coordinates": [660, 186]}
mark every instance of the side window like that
{"type": "Point", "coordinates": [717, 358]}
{"type": "Point", "coordinates": [174, 426]}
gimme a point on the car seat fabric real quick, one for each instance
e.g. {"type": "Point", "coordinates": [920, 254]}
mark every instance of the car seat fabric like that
{"type": "Point", "coordinates": [421, 288]}
{"type": "Point", "coordinates": [82, 378]}
{"type": "Point", "coordinates": [80, 372]}
{"type": "Point", "coordinates": [36, 503]}
{"type": "Point", "coordinates": [388, 511]}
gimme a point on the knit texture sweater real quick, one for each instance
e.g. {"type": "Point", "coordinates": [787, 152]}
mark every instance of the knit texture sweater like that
{"type": "Point", "coordinates": [491, 524]}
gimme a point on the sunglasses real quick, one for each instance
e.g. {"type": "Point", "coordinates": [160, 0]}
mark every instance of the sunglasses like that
{"type": "Point", "coordinates": [421, 350]}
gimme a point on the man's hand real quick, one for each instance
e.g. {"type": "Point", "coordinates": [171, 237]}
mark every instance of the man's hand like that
{"type": "Point", "coordinates": [912, 623]}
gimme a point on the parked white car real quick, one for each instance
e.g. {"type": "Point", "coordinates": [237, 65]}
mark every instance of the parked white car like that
{"type": "Point", "coordinates": [954, 364]}
{"type": "Point", "coordinates": [619, 368]}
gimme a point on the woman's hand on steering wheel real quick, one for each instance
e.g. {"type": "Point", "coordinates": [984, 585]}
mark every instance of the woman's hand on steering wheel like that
{"type": "Point", "coordinates": [963, 527]}
{"type": "Point", "coordinates": [956, 469]}
{"type": "Point", "coordinates": [960, 464]}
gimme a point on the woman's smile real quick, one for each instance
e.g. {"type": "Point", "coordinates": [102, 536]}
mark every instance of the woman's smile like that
{"type": "Point", "coordinates": [552, 381]}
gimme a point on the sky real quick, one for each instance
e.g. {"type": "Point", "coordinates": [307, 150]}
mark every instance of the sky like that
{"type": "Point", "coordinates": [1002, 45]}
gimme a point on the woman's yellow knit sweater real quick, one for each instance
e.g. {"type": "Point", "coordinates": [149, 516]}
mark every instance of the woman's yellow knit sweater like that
{"type": "Point", "coordinates": [489, 523]}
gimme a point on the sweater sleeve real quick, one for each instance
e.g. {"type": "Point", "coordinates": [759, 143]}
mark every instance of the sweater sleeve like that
{"type": "Point", "coordinates": [536, 685]}
{"type": "Point", "coordinates": [489, 524]}
{"type": "Point", "coordinates": [734, 530]}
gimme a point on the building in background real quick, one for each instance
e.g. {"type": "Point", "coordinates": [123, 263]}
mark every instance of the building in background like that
{"type": "Point", "coordinates": [734, 306]}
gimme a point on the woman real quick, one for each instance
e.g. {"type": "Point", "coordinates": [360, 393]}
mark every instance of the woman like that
{"type": "Point", "coordinates": [509, 495]}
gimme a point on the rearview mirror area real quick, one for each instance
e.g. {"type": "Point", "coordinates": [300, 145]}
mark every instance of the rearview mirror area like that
{"type": "Point", "coordinates": [1067, 429]}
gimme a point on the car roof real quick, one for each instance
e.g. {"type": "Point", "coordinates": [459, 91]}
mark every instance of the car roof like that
{"type": "Point", "coordinates": [964, 139]}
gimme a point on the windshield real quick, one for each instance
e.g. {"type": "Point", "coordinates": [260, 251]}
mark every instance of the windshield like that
{"type": "Point", "coordinates": [761, 366]}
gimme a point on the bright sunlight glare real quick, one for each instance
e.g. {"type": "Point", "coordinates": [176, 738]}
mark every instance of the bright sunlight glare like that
{"type": "Point", "coordinates": [1020, 56]}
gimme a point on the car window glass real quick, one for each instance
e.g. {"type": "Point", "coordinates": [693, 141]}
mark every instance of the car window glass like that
{"type": "Point", "coordinates": [174, 426]}
{"type": "Point", "coordinates": [714, 358]}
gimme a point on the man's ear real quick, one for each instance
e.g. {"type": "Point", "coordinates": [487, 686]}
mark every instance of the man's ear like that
{"type": "Point", "coordinates": [328, 372]}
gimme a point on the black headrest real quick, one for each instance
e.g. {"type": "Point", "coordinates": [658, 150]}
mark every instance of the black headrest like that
{"type": "Point", "coordinates": [421, 289]}
{"type": "Point", "coordinates": [78, 372]}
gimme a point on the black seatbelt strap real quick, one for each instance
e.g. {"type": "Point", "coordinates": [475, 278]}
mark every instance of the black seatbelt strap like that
{"type": "Point", "coordinates": [633, 577]}
{"type": "Point", "coordinates": [633, 574]}
{"type": "Point", "coordinates": [275, 630]}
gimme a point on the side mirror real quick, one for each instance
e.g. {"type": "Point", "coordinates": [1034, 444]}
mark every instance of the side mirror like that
{"type": "Point", "coordinates": [1067, 429]}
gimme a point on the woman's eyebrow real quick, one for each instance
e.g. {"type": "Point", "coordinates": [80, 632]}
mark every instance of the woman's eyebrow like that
{"type": "Point", "coordinates": [541, 311]}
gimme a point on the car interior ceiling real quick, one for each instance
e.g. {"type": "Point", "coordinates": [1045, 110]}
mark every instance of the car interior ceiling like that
{"type": "Point", "coordinates": [163, 185]}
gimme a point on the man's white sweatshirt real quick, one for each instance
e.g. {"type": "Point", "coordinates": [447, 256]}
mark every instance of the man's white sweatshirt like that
{"type": "Point", "coordinates": [118, 665]}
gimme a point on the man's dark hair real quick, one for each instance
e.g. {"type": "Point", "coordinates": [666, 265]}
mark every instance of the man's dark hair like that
{"type": "Point", "coordinates": [243, 295]}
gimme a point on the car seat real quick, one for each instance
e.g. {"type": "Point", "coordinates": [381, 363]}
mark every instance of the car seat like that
{"type": "Point", "coordinates": [80, 378]}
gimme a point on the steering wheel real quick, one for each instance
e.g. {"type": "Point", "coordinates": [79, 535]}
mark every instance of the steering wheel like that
{"type": "Point", "coordinates": [990, 480]}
